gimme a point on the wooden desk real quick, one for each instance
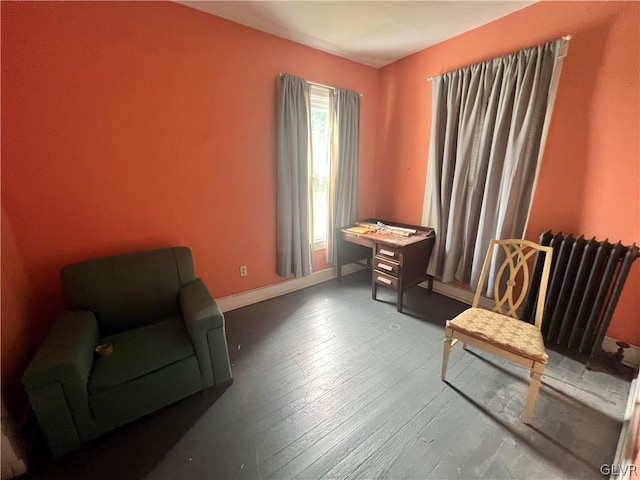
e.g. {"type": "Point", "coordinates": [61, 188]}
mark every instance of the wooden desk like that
{"type": "Point", "coordinates": [396, 262]}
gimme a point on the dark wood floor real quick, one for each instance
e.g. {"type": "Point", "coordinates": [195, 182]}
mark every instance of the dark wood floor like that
{"type": "Point", "coordinates": [330, 384]}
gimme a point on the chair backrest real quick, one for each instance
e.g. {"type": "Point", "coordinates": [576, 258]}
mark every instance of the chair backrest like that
{"type": "Point", "coordinates": [513, 276]}
{"type": "Point", "coordinates": [130, 290]}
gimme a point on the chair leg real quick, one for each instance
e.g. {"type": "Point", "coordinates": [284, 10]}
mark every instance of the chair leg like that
{"type": "Point", "coordinates": [446, 348]}
{"type": "Point", "coordinates": [534, 386]}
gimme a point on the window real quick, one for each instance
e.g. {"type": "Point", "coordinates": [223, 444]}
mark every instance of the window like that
{"type": "Point", "coordinates": [321, 163]}
{"type": "Point", "coordinates": [309, 207]}
{"type": "Point", "coordinates": [483, 162]}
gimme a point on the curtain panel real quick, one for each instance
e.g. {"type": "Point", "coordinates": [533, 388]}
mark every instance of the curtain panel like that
{"type": "Point", "coordinates": [293, 242]}
{"type": "Point", "coordinates": [487, 131]}
{"type": "Point", "coordinates": [343, 194]}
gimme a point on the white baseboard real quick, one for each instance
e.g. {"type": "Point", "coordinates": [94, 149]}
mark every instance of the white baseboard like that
{"type": "Point", "coordinates": [256, 295]}
{"type": "Point", "coordinates": [231, 302]}
{"type": "Point", "coordinates": [461, 294]}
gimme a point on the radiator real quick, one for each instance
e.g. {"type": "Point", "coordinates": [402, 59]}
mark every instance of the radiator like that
{"type": "Point", "coordinates": [585, 284]}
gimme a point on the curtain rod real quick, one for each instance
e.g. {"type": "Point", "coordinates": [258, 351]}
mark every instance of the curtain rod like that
{"type": "Point", "coordinates": [320, 85]}
{"type": "Point", "coordinates": [566, 38]}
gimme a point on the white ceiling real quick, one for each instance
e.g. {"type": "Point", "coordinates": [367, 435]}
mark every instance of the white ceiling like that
{"type": "Point", "coordinates": [374, 33]}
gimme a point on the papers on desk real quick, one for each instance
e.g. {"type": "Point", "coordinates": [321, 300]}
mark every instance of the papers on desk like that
{"type": "Point", "coordinates": [361, 229]}
{"type": "Point", "coordinates": [391, 230]}
{"type": "Point", "coordinates": [364, 228]}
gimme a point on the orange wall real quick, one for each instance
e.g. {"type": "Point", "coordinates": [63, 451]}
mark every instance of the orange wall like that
{"type": "Point", "coordinates": [590, 174]}
{"type": "Point", "coordinates": [137, 125]}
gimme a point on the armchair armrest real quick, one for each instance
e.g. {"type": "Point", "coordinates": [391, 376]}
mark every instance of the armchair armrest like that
{"type": "Point", "coordinates": [57, 377]}
{"type": "Point", "coordinates": [200, 310]}
{"type": "Point", "coordinates": [205, 323]}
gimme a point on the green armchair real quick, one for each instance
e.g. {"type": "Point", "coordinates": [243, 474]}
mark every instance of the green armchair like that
{"type": "Point", "coordinates": [168, 342]}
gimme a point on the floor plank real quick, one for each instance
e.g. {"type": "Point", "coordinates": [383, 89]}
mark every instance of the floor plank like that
{"type": "Point", "coordinates": [330, 384]}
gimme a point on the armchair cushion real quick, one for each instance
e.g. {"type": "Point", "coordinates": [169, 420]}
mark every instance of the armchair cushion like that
{"type": "Point", "coordinates": [139, 352]}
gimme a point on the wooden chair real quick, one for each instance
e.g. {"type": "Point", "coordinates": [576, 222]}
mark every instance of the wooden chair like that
{"type": "Point", "coordinates": [500, 331]}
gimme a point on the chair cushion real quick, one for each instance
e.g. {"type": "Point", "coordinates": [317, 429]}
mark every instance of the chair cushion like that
{"type": "Point", "coordinates": [504, 332]}
{"type": "Point", "coordinates": [141, 351]}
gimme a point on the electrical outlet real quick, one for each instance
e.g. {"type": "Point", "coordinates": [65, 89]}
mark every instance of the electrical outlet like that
{"type": "Point", "coordinates": [243, 271]}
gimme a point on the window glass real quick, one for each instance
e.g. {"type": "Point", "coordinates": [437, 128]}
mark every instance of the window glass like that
{"type": "Point", "coordinates": [320, 145]}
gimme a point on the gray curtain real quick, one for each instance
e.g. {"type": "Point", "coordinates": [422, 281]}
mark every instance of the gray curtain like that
{"type": "Point", "coordinates": [487, 125]}
{"type": "Point", "coordinates": [293, 243]}
{"type": "Point", "coordinates": [343, 195]}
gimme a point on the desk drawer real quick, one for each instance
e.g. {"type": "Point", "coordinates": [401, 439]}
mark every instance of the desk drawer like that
{"type": "Point", "coordinates": [357, 239]}
{"type": "Point", "coordinates": [385, 279]}
{"type": "Point", "coordinates": [387, 266]}
{"type": "Point", "coordinates": [385, 251]}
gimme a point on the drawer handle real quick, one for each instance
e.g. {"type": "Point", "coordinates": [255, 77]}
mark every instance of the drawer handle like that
{"type": "Point", "coordinates": [385, 267]}
{"type": "Point", "coordinates": [384, 280]}
{"type": "Point", "coordinates": [388, 253]}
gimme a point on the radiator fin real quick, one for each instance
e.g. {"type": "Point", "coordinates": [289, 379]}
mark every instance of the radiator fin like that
{"type": "Point", "coordinates": [587, 277]}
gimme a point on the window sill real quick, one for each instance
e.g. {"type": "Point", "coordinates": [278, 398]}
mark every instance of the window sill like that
{"type": "Point", "coordinates": [319, 245]}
